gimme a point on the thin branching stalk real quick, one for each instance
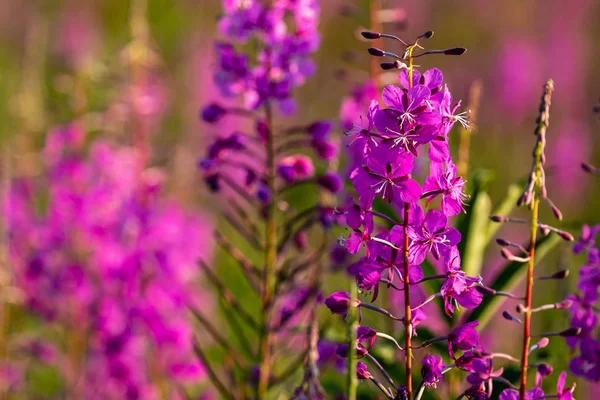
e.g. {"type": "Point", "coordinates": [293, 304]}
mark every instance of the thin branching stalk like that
{"type": "Point", "coordinates": [540, 132]}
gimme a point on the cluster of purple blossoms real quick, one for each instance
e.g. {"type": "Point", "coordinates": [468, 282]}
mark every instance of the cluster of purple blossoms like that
{"type": "Point", "coordinates": [287, 30]}
{"type": "Point", "coordinates": [97, 249]}
{"type": "Point", "coordinates": [584, 313]}
{"type": "Point", "coordinates": [417, 119]}
{"type": "Point", "coordinates": [257, 165]}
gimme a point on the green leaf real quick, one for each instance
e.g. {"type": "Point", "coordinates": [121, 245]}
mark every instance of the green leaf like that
{"type": "Point", "coordinates": [508, 279]}
{"type": "Point", "coordinates": [475, 241]}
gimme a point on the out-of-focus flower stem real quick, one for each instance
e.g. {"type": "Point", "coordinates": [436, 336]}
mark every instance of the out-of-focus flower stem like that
{"type": "Point", "coordinates": [270, 269]}
{"type": "Point", "coordinates": [540, 132]}
{"type": "Point", "coordinates": [464, 133]}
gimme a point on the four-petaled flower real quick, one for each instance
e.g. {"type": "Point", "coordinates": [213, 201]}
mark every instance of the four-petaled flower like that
{"type": "Point", "coordinates": [431, 235]}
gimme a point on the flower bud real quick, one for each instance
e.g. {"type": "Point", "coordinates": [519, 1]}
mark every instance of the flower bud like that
{"type": "Point", "coordinates": [498, 218]}
{"type": "Point", "coordinates": [370, 35]}
{"type": "Point", "coordinates": [339, 302]}
{"type": "Point", "coordinates": [509, 317]}
{"type": "Point", "coordinates": [456, 51]}
{"type": "Point", "coordinates": [426, 35]}
{"type": "Point", "coordinates": [212, 113]}
{"type": "Point", "coordinates": [361, 371]}
{"type": "Point", "coordinates": [330, 181]}
{"type": "Point", "coordinates": [374, 51]}
{"type": "Point", "coordinates": [570, 332]}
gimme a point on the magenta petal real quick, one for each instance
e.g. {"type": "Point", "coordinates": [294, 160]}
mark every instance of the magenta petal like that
{"type": "Point", "coordinates": [435, 221]}
{"type": "Point", "coordinates": [470, 299]}
{"type": "Point", "coordinates": [392, 97]}
{"type": "Point", "coordinates": [410, 191]}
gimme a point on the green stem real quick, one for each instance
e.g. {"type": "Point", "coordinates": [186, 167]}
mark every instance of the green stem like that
{"type": "Point", "coordinates": [270, 270]}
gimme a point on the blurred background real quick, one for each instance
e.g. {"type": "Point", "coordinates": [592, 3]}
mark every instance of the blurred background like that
{"type": "Point", "coordinates": [138, 72]}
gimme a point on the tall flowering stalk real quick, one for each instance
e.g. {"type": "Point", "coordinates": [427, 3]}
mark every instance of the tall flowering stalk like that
{"type": "Point", "coordinates": [269, 55]}
{"type": "Point", "coordinates": [535, 191]}
{"type": "Point", "coordinates": [388, 141]}
{"type": "Point", "coordinates": [94, 257]}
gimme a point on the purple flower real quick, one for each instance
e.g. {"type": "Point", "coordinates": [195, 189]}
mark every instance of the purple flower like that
{"type": "Point", "coordinates": [442, 180]}
{"type": "Point", "coordinates": [339, 302]}
{"type": "Point", "coordinates": [532, 394]}
{"type": "Point", "coordinates": [587, 364]}
{"type": "Point", "coordinates": [587, 238]}
{"type": "Point", "coordinates": [362, 138]}
{"type": "Point", "coordinates": [464, 337]}
{"type": "Point", "coordinates": [482, 371]}
{"type": "Point", "coordinates": [582, 316]}
{"type": "Point", "coordinates": [431, 371]}
{"type": "Point", "coordinates": [560, 388]}
{"type": "Point", "coordinates": [386, 174]}
{"type": "Point", "coordinates": [431, 235]}
{"type": "Point", "coordinates": [361, 371]}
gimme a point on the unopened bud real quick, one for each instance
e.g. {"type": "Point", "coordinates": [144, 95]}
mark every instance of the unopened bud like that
{"type": "Point", "coordinates": [370, 35]}
{"type": "Point", "coordinates": [498, 218]}
{"type": "Point", "coordinates": [570, 332]}
{"type": "Point", "coordinates": [511, 257]}
{"type": "Point", "coordinates": [374, 51]}
{"type": "Point", "coordinates": [543, 343]}
{"type": "Point", "coordinates": [557, 213]}
{"type": "Point", "coordinates": [564, 304]}
{"type": "Point", "coordinates": [562, 274]}
{"type": "Point", "coordinates": [521, 308]}
{"type": "Point", "coordinates": [565, 236]}
{"type": "Point", "coordinates": [544, 230]}
{"type": "Point", "coordinates": [588, 168]}
{"type": "Point", "coordinates": [426, 35]}
{"type": "Point", "coordinates": [503, 242]}
{"type": "Point", "coordinates": [508, 316]}
{"type": "Point", "coordinates": [456, 51]}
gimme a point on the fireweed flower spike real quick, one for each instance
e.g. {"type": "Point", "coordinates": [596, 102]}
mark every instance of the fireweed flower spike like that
{"type": "Point", "coordinates": [255, 166]}
{"type": "Point", "coordinates": [419, 112]}
{"type": "Point", "coordinates": [535, 191]}
{"type": "Point", "coordinates": [115, 248]}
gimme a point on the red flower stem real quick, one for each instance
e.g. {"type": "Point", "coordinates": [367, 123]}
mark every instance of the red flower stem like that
{"type": "Point", "coordinates": [536, 192]}
{"type": "Point", "coordinates": [407, 309]}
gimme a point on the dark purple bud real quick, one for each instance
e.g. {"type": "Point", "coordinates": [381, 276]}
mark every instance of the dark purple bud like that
{"type": "Point", "coordinates": [300, 240]}
{"type": "Point", "coordinates": [562, 274]}
{"type": "Point", "coordinates": [498, 218]}
{"type": "Point", "coordinates": [361, 371]}
{"type": "Point", "coordinates": [212, 113]}
{"type": "Point", "coordinates": [339, 302]}
{"type": "Point", "coordinates": [324, 149]}
{"type": "Point", "coordinates": [570, 332]}
{"type": "Point", "coordinates": [263, 194]}
{"type": "Point", "coordinates": [588, 168]}
{"type": "Point", "coordinates": [508, 316]}
{"type": "Point", "coordinates": [456, 51]}
{"type": "Point", "coordinates": [374, 51]}
{"type": "Point", "coordinates": [319, 129]}
{"type": "Point", "coordinates": [330, 181]}
{"type": "Point", "coordinates": [388, 65]}
{"type": "Point", "coordinates": [426, 35]}
{"type": "Point", "coordinates": [544, 369]}
{"type": "Point", "coordinates": [262, 129]}
{"type": "Point", "coordinates": [213, 183]}
{"type": "Point", "coordinates": [503, 242]}
{"type": "Point", "coordinates": [370, 35]}
{"type": "Point", "coordinates": [521, 308]}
